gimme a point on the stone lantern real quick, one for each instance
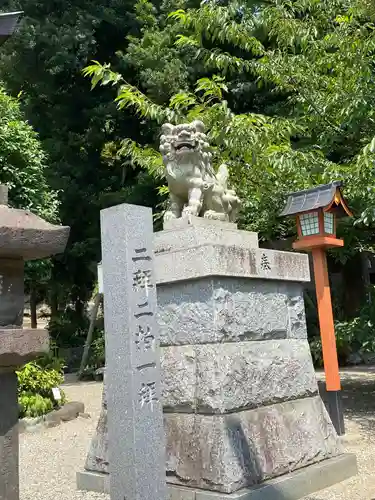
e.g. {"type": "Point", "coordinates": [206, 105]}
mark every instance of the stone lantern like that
{"type": "Point", "coordinates": [23, 236]}
{"type": "Point", "coordinates": [8, 23]}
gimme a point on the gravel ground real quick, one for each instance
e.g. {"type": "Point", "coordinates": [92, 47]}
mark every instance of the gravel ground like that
{"type": "Point", "coordinates": [50, 458]}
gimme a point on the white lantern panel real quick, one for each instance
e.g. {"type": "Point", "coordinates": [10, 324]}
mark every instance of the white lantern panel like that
{"type": "Point", "coordinates": [309, 223]}
{"type": "Point", "coordinates": [329, 223]}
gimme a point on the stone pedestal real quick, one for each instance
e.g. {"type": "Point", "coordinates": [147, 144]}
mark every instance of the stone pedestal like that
{"type": "Point", "coordinates": [240, 397]}
{"type": "Point", "coordinates": [23, 236]}
{"type": "Point", "coordinates": [9, 474]}
{"type": "Point", "coordinates": [97, 457]}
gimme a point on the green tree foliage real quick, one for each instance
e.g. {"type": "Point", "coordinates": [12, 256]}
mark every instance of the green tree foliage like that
{"type": "Point", "coordinates": [286, 89]}
{"type": "Point", "coordinates": [23, 166]}
{"type": "Point", "coordinates": [44, 61]}
{"type": "Point", "coordinates": [23, 162]}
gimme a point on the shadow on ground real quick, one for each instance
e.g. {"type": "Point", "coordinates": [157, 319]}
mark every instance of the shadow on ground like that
{"type": "Point", "coordinates": [358, 398]}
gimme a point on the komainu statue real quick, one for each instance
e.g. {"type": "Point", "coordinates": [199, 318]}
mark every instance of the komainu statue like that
{"type": "Point", "coordinates": [194, 187]}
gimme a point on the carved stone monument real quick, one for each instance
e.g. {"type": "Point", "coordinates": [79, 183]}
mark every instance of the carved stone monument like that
{"type": "Point", "coordinates": [23, 236]}
{"type": "Point", "coordinates": [136, 443]}
{"type": "Point", "coordinates": [242, 413]}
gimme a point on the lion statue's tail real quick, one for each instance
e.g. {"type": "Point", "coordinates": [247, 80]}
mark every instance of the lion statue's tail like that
{"type": "Point", "coordinates": [230, 199]}
{"type": "Point", "coordinates": [222, 175]}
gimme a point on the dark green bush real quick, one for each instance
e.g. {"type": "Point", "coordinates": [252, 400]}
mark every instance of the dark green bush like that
{"type": "Point", "coordinates": [68, 329]}
{"type": "Point", "coordinates": [343, 344]}
{"type": "Point", "coordinates": [97, 357]}
{"type": "Point", "coordinates": [353, 336]}
{"type": "Point", "coordinates": [51, 362]}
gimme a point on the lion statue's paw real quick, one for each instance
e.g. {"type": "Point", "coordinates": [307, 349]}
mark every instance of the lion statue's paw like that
{"type": "Point", "coordinates": [169, 216]}
{"type": "Point", "coordinates": [189, 211]}
{"type": "Point", "coordinates": [211, 214]}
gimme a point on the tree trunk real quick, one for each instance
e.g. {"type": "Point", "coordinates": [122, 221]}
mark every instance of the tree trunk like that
{"type": "Point", "coordinates": [33, 304]}
{"type": "Point", "coordinates": [54, 305]}
{"type": "Point", "coordinates": [79, 307]}
{"type": "Point", "coordinates": [86, 350]}
{"type": "Point", "coordinates": [366, 276]}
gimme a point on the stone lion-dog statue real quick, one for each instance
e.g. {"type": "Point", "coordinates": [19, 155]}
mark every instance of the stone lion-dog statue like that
{"type": "Point", "coordinates": [194, 187]}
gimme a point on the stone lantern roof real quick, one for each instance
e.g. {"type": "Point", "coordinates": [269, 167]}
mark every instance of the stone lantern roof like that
{"type": "Point", "coordinates": [23, 236]}
{"type": "Point", "coordinates": [8, 23]}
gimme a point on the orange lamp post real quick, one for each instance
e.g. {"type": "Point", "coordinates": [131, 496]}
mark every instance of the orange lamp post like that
{"type": "Point", "coordinates": [316, 211]}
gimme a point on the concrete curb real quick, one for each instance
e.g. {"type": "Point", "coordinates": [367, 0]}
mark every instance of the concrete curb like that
{"type": "Point", "coordinates": [68, 412]}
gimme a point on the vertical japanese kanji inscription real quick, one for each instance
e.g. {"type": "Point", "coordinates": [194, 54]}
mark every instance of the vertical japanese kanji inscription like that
{"type": "Point", "coordinates": [135, 423]}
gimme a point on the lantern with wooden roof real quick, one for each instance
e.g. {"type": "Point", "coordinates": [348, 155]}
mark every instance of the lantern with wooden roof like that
{"type": "Point", "coordinates": [316, 211]}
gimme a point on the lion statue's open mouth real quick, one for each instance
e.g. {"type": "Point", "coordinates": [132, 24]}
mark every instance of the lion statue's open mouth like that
{"type": "Point", "coordinates": [185, 146]}
{"type": "Point", "coordinates": [194, 187]}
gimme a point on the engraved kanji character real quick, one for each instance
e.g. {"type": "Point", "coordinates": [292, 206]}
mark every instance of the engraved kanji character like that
{"type": "Point", "coordinates": [265, 263]}
{"type": "Point", "coordinates": [140, 257]}
{"type": "Point", "coordinates": [142, 280]}
{"type": "Point", "coordinates": [147, 395]}
{"type": "Point", "coordinates": [145, 337]}
{"type": "Point", "coordinates": [144, 313]}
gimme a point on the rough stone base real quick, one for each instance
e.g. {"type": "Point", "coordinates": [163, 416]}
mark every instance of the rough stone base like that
{"type": "Point", "coordinates": [202, 232]}
{"type": "Point", "coordinates": [292, 486]}
{"type": "Point", "coordinates": [68, 412]}
{"type": "Point", "coordinates": [97, 457]}
{"type": "Point", "coordinates": [227, 453]}
{"type": "Point", "coordinates": [93, 481]}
